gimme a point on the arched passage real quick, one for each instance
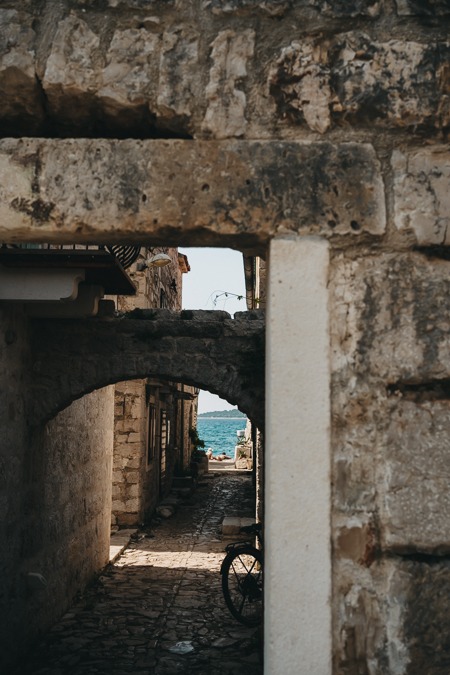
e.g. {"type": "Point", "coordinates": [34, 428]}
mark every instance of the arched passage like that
{"type": "Point", "coordinates": [205, 349]}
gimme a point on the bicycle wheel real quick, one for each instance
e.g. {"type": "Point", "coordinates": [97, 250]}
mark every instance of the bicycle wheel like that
{"type": "Point", "coordinates": [242, 584]}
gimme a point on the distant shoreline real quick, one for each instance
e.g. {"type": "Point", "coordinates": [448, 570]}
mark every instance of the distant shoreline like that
{"type": "Point", "coordinates": [209, 417]}
{"type": "Point", "coordinates": [223, 415]}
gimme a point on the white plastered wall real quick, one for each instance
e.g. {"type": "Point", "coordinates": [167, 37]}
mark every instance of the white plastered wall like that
{"type": "Point", "coordinates": [297, 494]}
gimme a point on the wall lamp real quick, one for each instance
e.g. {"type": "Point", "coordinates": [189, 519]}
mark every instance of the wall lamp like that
{"type": "Point", "coordinates": [155, 260]}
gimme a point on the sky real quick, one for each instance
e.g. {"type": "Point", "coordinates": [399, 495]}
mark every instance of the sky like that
{"type": "Point", "coordinates": [214, 272]}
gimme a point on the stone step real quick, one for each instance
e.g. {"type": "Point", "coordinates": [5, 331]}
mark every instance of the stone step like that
{"type": "Point", "coordinates": [231, 525]}
{"type": "Point", "coordinates": [119, 541]}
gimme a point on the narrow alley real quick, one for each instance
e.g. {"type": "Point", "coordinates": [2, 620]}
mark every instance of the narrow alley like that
{"type": "Point", "coordinates": [159, 609]}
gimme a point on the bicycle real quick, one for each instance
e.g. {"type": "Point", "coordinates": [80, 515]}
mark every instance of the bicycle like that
{"type": "Point", "coordinates": [242, 578]}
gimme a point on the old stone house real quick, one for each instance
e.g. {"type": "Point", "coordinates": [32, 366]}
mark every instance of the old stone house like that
{"type": "Point", "coordinates": [152, 418]}
{"type": "Point", "coordinates": [313, 133]}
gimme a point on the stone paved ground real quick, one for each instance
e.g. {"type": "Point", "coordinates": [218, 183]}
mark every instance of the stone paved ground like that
{"type": "Point", "coordinates": [163, 590]}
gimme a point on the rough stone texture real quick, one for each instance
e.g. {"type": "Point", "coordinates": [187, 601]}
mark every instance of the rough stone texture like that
{"type": "Point", "coordinates": [360, 639]}
{"type": "Point", "coordinates": [390, 412]}
{"type": "Point", "coordinates": [351, 78]}
{"type": "Point", "coordinates": [73, 519]}
{"type": "Point", "coordinates": [226, 7]}
{"type": "Point", "coordinates": [177, 74]}
{"type": "Point", "coordinates": [427, 8]}
{"type": "Point", "coordinates": [143, 71]}
{"type": "Point", "coordinates": [55, 497]}
{"type": "Point", "coordinates": [422, 199]}
{"type": "Point", "coordinates": [128, 81]}
{"type": "Point", "coordinates": [19, 90]}
{"type": "Point", "coordinates": [392, 318]}
{"type": "Point", "coordinates": [417, 614]}
{"type": "Point", "coordinates": [307, 8]}
{"type": "Point", "coordinates": [14, 457]}
{"type": "Point", "coordinates": [225, 115]}
{"type": "Point", "coordinates": [224, 356]}
{"type": "Point", "coordinates": [394, 618]}
{"type": "Point", "coordinates": [71, 68]}
{"type": "Point", "coordinates": [164, 589]}
{"type": "Point", "coordinates": [209, 192]}
{"type": "Point", "coordinates": [415, 503]}
{"type": "Point", "coordinates": [129, 464]}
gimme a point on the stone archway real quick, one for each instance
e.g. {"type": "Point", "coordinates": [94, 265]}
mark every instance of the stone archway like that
{"type": "Point", "coordinates": [206, 349]}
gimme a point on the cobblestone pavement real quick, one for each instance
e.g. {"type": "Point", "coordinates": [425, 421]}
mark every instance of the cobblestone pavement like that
{"type": "Point", "coordinates": [163, 590]}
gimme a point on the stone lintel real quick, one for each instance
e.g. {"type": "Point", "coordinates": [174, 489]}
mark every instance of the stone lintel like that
{"type": "Point", "coordinates": [177, 192]}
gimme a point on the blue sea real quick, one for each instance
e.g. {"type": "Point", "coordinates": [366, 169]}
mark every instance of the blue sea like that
{"type": "Point", "coordinates": [220, 433]}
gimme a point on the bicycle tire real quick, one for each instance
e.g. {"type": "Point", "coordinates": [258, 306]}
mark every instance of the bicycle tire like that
{"type": "Point", "coordinates": [242, 584]}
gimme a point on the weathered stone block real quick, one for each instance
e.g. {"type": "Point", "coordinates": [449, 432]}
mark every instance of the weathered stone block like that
{"type": "Point", "coordinates": [133, 462]}
{"type": "Point", "coordinates": [334, 8]}
{"type": "Point", "coordinates": [270, 7]}
{"type": "Point", "coordinates": [178, 78]}
{"type": "Point", "coordinates": [225, 114]}
{"type": "Point", "coordinates": [132, 505]}
{"type": "Point", "coordinates": [413, 482]}
{"type": "Point", "coordinates": [116, 492]}
{"type": "Point", "coordinates": [354, 477]}
{"type": "Point", "coordinates": [129, 77]}
{"type": "Point", "coordinates": [356, 540]}
{"type": "Point", "coordinates": [19, 90]}
{"type": "Point", "coordinates": [230, 525]}
{"type": "Point", "coordinates": [132, 4]}
{"type": "Point", "coordinates": [351, 78]}
{"type": "Point", "coordinates": [359, 631]}
{"type": "Point", "coordinates": [428, 8]}
{"type": "Point", "coordinates": [422, 197]}
{"type": "Point", "coordinates": [73, 69]}
{"type": "Point", "coordinates": [417, 612]}
{"type": "Point", "coordinates": [130, 492]}
{"type": "Point", "coordinates": [131, 477]}
{"type": "Point", "coordinates": [391, 318]}
{"type": "Point", "coordinates": [187, 190]}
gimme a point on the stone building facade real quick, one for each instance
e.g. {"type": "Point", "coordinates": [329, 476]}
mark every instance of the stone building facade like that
{"type": "Point", "coordinates": [315, 133]}
{"type": "Point", "coordinates": [152, 418]}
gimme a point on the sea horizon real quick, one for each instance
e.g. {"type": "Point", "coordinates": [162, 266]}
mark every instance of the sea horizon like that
{"type": "Point", "coordinates": [219, 433]}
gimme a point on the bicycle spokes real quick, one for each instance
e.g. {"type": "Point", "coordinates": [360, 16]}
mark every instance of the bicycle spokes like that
{"type": "Point", "coordinates": [242, 585]}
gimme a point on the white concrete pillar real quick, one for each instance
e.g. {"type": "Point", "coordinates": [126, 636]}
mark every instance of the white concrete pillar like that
{"type": "Point", "coordinates": [297, 492]}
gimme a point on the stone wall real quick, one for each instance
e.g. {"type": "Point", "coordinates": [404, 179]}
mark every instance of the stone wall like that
{"type": "Point", "coordinates": [55, 495]}
{"type": "Point", "coordinates": [137, 486]}
{"type": "Point", "coordinates": [130, 434]}
{"type": "Point", "coordinates": [74, 515]}
{"type": "Point", "coordinates": [224, 69]}
{"type": "Point", "coordinates": [391, 409]}
{"type": "Point", "coordinates": [16, 476]}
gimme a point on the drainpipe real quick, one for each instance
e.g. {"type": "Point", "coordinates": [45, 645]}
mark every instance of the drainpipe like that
{"type": "Point", "coordinates": [182, 403]}
{"type": "Point", "coordinates": [257, 438]}
{"type": "Point", "coordinates": [249, 275]}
